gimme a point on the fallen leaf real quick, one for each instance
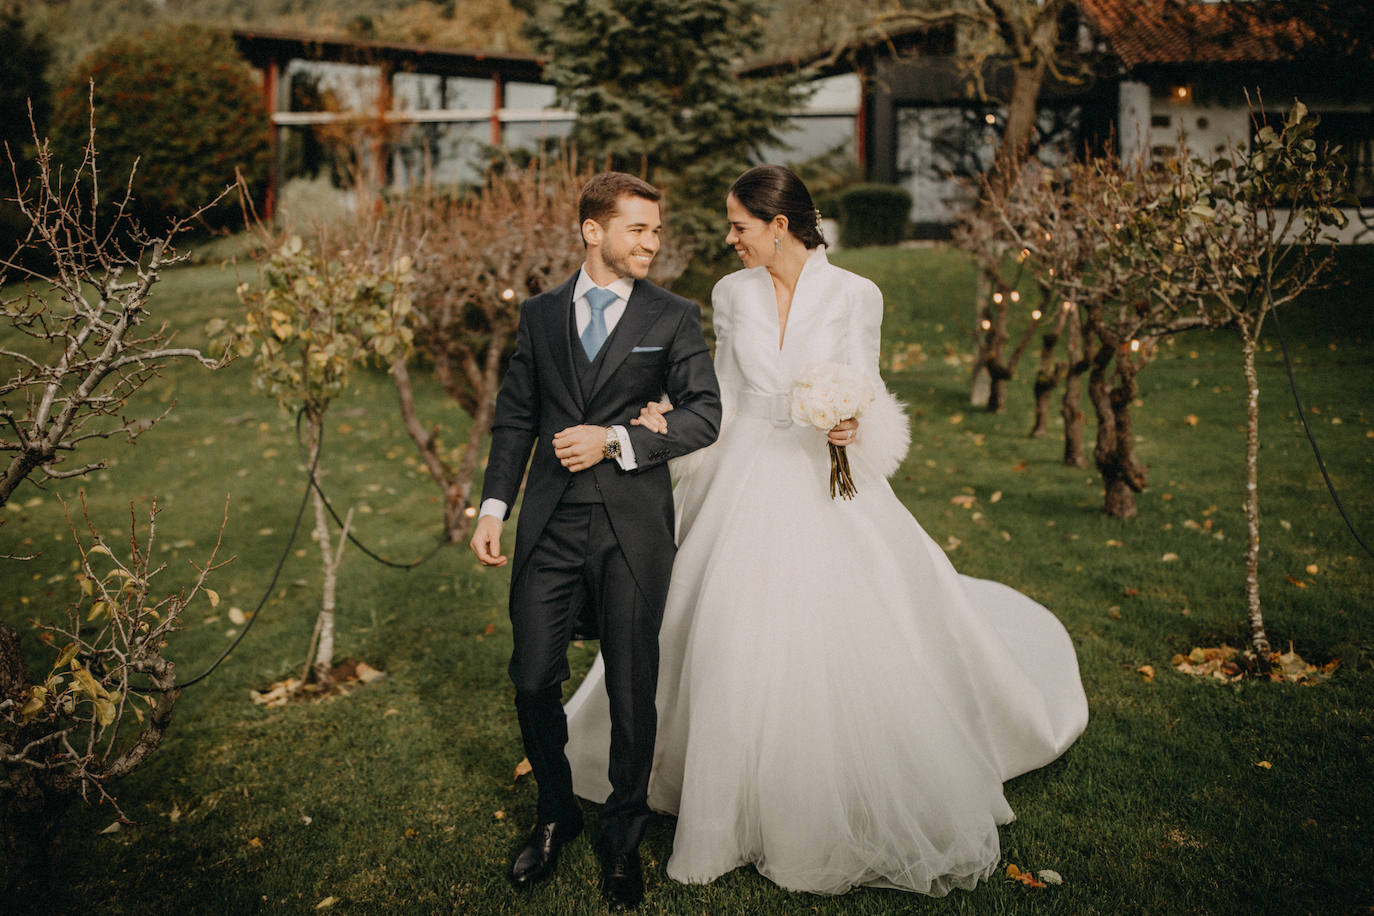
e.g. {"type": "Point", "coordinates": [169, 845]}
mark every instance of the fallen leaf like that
{"type": "Point", "coordinates": [1113, 542]}
{"type": "Point", "coordinates": [1311, 569]}
{"type": "Point", "coordinates": [237, 617]}
{"type": "Point", "coordinates": [1148, 671]}
{"type": "Point", "coordinates": [1132, 592]}
{"type": "Point", "coordinates": [1264, 765]}
{"type": "Point", "coordinates": [996, 497]}
{"type": "Point", "coordinates": [1191, 419]}
{"type": "Point", "coordinates": [522, 768]}
{"type": "Point", "coordinates": [113, 828]}
{"type": "Point", "coordinates": [326, 903]}
{"type": "Point", "coordinates": [499, 815]}
{"type": "Point", "coordinates": [367, 674]}
{"type": "Point", "coordinates": [213, 596]}
{"type": "Point", "coordinates": [963, 500]}
{"type": "Point", "coordinates": [1168, 558]}
{"type": "Point", "coordinates": [1296, 582]}
{"type": "Point", "coordinates": [957, 418]}
{"type": "Point", "coordinates": [255, 843]}
{"type": "Point", "coordinates": [491, 628]}
{"type": "Point", "coordinates": [1050, 876]}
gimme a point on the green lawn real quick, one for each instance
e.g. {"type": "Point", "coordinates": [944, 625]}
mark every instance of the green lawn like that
{"type": "Point", "coordinates": [400, 798]}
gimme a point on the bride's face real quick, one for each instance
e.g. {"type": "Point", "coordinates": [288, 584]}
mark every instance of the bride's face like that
{"type": "Point", "coordinates": [751, 237]}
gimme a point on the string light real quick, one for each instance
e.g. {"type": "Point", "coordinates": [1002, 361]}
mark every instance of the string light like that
{"type": "Point", "coordinates": [1016, 295]}
{"type": "Point", "coordinates": [1135, 346]}
{"type": "Point", "coordinates": [1025, 253]}
{"type": "Point", "coordinates": [1068, 305]}
{"type": "Point", "coordinates": [470, 511]}
{"type": "Point", "coordinates": [508, 294]}
{"type": "Point", "coordinates": [1036, 314]}
{"type": "Point", "coordinates": [987, 325]}
{"type": "Point", "coordinates": [990, 118]}
{"type": "Point", "coordinates": [997, 297]}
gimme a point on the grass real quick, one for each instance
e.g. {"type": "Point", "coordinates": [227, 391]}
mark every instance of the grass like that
{"type": "Point", "coordinates": [400, 798]}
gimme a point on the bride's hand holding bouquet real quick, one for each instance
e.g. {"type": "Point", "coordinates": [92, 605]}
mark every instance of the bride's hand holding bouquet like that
{"type": "Point", "coordinates": [832, 397]}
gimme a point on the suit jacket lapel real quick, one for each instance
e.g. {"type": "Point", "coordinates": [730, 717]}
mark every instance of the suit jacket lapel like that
{"type": "Point", "coordinates": [640, 314]}
{"type": "Point", "coordinates": [556, 323]}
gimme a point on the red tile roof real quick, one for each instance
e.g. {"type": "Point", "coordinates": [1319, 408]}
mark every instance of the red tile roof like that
{"type": "Point", "coordinates": [1183, 31]}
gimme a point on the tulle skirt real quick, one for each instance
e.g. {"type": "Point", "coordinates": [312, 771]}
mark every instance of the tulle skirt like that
{"type": "Point", "coordinates": [837, 705]}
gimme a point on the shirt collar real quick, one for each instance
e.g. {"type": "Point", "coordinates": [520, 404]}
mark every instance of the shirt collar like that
{"type": "Point", "coordinates": [622, 287]}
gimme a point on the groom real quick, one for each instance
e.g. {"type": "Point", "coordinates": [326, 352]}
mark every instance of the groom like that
{"type": "Point", "coordinates": [594, 544]}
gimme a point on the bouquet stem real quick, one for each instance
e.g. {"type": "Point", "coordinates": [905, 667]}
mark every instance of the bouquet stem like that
{"type": "Point", "coordinates": [841, 478]}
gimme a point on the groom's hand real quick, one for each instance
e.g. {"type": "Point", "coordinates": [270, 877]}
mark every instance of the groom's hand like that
{"type": "Point", "coordinates": [486, 541]}
{"type": "Point", "coordinates": [580, 447]}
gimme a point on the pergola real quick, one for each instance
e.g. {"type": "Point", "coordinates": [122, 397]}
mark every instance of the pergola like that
{"type": "Point", "coordinates": [271, 52]}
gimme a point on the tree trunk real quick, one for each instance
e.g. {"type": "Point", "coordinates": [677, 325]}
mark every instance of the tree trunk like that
{"type": "Point", "coordinates": [1258, 638]}
{"type": "Point", "coordinates": [983, 285]}
{"type": "Point", "coordinates": [323, 658]}
{"type": "Point", "coordinates": [1071, 407]}
{"type": "Point", "coordinates": [1114, 452]}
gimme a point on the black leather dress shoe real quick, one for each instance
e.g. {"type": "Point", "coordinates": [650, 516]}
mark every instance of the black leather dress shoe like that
{"type": "Point", "coordinates": [536, 861]}
{"type": "Point", "coordinates": [622, 881]}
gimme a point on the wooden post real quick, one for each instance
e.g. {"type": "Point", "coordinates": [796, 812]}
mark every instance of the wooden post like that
{"type": "Point", "coordinates": [271, 77]}
{"type": "Point", "coordinates": [498, 101]}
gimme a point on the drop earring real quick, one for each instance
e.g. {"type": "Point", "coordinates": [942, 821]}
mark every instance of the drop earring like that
{"type": "Point", "coordinates": [777, 243]}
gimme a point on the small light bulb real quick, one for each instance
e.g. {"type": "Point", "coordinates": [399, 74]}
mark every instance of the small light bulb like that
{"type": "Point", "coordinates": [1025, 253]}
{"type": "Point", "coordinates": [987, 325]}
{"type": "Point", "coordinates": [1067, 305]}
{"type": "Point", "coordinates": [1051, 271]}
{"type": "Point", "coordinates": [1135, 346]}
{"type": "Point", "coordinates": [1036, 314]}
{"type": "Point", "coordinates": [1016, 295]}
{"type": "Point", "coordinates": [997, 297]}
{"type": "Point", "coordinates": [508, 294]}
{"type": "Point", "coordinates": [990, 118]}
{"type": "Point", "coordinates": [470, 511]}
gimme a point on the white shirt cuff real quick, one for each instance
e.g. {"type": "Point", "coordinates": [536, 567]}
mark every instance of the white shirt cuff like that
{"type": "Point", "coordinates": [626, 458]}
{"type": "Point", "coordinates": [496, 507]}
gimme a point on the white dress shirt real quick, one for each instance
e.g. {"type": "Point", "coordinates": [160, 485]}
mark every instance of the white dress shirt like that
{"type": "Point", "coordinates": [582, 314]}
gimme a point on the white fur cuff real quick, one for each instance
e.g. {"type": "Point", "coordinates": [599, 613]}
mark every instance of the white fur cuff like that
{"type": "Point", "coordinates": [883, 438]}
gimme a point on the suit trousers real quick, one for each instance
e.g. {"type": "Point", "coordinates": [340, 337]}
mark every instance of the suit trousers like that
{"type": "Point", "coordinates": [578, 563]}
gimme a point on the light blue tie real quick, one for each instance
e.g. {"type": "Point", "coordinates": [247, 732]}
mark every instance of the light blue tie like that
{"type": "Point", "coordinates": [594, 335]}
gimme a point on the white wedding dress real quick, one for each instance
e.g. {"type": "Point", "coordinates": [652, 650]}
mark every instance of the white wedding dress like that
{"type": "Point", "coordinates": [837, 705]}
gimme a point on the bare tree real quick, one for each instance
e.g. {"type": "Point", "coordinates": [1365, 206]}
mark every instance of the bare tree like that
{"type": "Point", "coordinates": [1258, 235]}
{"type": "Point", "coordinates": [317, 312]}
{"type": "Point", "coordinates": [105, 704]}
{"type": "Point", "coordinates": [478, 256]}
{"type": "Point", "coordinates": [84, 343]}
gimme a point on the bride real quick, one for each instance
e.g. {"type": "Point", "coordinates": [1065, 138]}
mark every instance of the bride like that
{"type": "Point", "coordinates": [837, 706]}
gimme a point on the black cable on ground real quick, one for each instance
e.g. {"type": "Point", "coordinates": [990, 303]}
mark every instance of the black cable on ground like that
{"type": "Point", "coordinates": [315, 483]}
{"type": "Point", "coordinates": [1302, 415]}
{"type": "Point", "coordinates": [312, 482]}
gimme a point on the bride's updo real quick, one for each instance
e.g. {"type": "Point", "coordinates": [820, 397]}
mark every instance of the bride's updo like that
{"type": "Point", "coordinates": [769, 190]}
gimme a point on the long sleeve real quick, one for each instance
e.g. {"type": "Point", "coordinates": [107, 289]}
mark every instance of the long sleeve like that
{"type": "Point", "coordinates": [884, 433]}
{"type": "Point", "coordinates": [515, 424]}
{"type": "Point", "coordinates": [692, 387]}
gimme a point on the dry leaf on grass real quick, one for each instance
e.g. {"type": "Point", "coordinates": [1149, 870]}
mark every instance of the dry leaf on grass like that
{"type": "Point", "coordinates": [522, 768]}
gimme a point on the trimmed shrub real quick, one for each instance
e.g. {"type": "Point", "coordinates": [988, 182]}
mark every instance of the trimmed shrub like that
{"type": "Point", "coordinates": [183, 104]}
{"type": "Point", "coordinates": [873, 214]}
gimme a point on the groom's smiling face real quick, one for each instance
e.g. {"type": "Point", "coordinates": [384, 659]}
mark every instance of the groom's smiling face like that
{"type": "Point", "coordinates": [629, 239]}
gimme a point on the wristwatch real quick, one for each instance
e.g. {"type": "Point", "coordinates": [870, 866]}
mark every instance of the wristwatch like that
{"type": "Point", "coordinates": [612, 447]}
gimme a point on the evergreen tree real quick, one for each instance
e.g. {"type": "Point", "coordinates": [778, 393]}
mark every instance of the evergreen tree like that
{"type": "Point", "coordinates": [654, 87]}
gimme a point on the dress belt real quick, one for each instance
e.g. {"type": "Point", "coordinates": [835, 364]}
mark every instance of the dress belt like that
{"type": "Point", "coordinates": [775, 408]}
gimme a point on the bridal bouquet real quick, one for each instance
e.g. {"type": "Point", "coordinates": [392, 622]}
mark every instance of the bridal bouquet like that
{"type": "Point", "coordinates": [823, 396]}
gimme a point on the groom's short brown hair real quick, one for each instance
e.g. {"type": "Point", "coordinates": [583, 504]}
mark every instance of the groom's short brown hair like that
{"type": "Point", "coordinates": [600, 194]}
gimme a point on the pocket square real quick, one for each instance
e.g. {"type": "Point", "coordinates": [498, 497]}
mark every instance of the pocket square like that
{"type": "Point", "coordinates": [646, 349]}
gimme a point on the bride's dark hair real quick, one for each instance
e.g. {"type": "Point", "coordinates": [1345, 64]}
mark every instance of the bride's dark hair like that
{"type": "Point", "coordinates": [769, 190]}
